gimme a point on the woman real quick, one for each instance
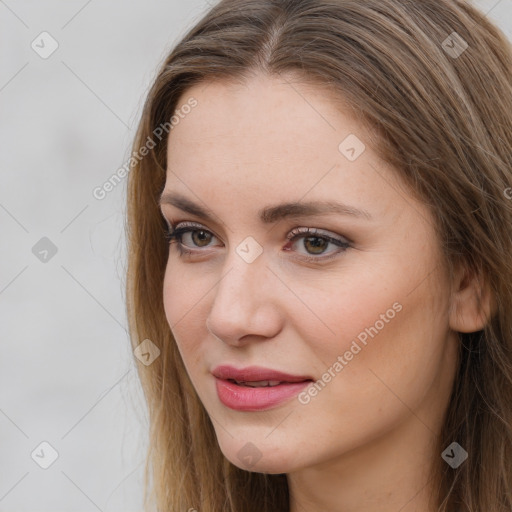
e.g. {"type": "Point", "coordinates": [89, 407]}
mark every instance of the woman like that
{"type": "Point", "coordinates": [328, 325]}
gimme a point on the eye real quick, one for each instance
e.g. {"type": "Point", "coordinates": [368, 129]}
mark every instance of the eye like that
{"type": "Point", "coordinates": [314, 241]}
{"type": "Point", "coordinates": [199, 236]}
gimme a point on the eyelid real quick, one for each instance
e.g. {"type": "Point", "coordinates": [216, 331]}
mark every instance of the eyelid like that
{"type": "Point", "coordinates": [191, 225]}
{"type": "Point", "coordinates": [317, 231]}
{"type": "Point", "coordinates": [291, 234]}
{"type": "Point", "coordinates": [342, 242]}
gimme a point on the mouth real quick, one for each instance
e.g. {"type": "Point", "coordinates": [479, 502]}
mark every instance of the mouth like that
{"type": "Point", "coordinates": [258, 384]}
{"type": "Point", "coordinates": [256, 388]}
{"type": "Point", "coordinates": [257, 376]}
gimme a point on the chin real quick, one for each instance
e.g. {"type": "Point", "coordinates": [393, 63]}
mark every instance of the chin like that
{"type": "Point", "coordinates": [252, 456]}
{"type": "Point", "coordinates": [267, 464]}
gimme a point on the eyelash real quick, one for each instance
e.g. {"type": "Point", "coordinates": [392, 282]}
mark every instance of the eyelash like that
{"type": "Point", "coordinates": [175, 234]}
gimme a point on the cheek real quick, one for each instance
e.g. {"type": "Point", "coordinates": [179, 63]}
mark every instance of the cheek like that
{"type": "Point", "coordinates": [173, 303]}
{"type": "Point", "coordinates": [386, 364]}
{"type": "Point", "coordinates": [182, 305]}
{"type": "Point", "coordinates": [183, 292]}
{"type": "Point", "coordinates": [382, 324]}
{"type": "Point", "coordinates": [345, 306]}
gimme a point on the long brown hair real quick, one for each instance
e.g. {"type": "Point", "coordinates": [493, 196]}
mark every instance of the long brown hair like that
{"type": "Point", "coordinates": [433, 81]}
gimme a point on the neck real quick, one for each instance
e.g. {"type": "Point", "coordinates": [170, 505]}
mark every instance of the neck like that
{"type": "Point", "coordinates": [388, 474]}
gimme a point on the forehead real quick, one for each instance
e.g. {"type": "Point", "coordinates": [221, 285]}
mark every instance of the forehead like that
{"type": "Point", "coordinates": [268, 130]}
{"type": "Point", "coordinates": [246, 148]}
{"type": "Point", "coordinates": [263, 106]}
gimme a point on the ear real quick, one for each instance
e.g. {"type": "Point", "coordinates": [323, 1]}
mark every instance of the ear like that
{"type": "Point", "coordinates": [472, 303]}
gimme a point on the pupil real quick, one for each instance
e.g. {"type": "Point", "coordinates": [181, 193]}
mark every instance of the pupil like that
{"type": "Point", "coordinates": [202, 236]}
{"type": "Point", "coordinates": [318, 244]}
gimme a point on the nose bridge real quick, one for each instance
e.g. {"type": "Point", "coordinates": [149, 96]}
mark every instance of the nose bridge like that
{"type": "Point", "coordinates": [241, 297]}
{"type": "Point", "coordinates": [238, 288]}
{"type": "Point", "coordinates": [246, 268]}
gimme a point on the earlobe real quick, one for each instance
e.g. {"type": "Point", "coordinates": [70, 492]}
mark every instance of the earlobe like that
{"type": "Point", "coordinates": [472, 302]}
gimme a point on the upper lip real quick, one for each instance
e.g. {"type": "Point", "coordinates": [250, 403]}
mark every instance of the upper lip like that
{"type": "Point", "coordinates": [255, 374]}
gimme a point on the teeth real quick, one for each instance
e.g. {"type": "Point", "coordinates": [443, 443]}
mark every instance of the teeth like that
{"type": "Point", "coordinates": [259, 384]}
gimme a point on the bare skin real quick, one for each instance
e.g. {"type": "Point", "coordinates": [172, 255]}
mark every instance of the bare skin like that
{"type": "Point", "coordinates": [364, 441]}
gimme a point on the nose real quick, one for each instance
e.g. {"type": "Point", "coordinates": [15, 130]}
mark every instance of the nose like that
{"type": "Point", "coordinates": [246, 303]}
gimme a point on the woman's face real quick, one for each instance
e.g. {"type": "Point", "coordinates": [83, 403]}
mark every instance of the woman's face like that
{"type": "Point", "coordinates": [366, 323]}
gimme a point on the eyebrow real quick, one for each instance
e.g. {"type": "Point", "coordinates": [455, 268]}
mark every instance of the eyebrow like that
{"type": "Point", "coordinates": [269, 214]}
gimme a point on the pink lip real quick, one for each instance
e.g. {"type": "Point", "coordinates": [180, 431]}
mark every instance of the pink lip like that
{"type": "Point", "coordinates": [242, 398]}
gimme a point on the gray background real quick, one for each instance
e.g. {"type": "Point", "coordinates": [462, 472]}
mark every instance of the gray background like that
{"type": "Point", "coordinates": [67, 375]}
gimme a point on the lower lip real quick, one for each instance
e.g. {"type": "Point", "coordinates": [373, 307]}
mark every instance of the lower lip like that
{"type": "Point", "coordinates": [243, 398]}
